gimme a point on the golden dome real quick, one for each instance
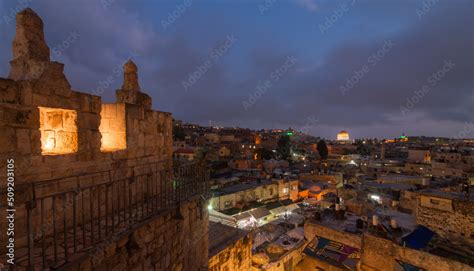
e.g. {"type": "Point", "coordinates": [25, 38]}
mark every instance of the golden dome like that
{"type": "Point", "coordinates": [343, 135]}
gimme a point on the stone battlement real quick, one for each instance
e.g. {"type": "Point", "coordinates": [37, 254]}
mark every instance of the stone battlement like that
{"type": "Point", "coordinates": [92, 165]}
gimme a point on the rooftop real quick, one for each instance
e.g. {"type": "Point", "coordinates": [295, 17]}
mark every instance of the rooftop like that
{"type": "Point", "coordinates": [405, 223]}
{"type": "Point", "coordinates": [447, 195]}
{"type": "Point", "coordinates": [222, 236]}
{"type": "Point", "coordinates": [243, 186]}
{"type": "Point", "coordinates": [394, 186]}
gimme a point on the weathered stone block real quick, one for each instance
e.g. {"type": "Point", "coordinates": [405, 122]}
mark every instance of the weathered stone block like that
{"type": "Point", "coordinates": [23, 141]}
{"type": "Point", "coordinates": [39, 100]}
{"type": "Point", "coordinates": [88, 121]}
{"type": "Point", "coordinates": [7, 140]}
{"type": "Point", "coordinates": [9, 92]}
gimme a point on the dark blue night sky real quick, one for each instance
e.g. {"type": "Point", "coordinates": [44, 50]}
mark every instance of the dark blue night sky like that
{"type": "Point", "coordinates": [374, 68]}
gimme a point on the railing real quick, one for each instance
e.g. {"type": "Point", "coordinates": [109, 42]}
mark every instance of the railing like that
{"type": "Point", "coordinates": [65, 226]}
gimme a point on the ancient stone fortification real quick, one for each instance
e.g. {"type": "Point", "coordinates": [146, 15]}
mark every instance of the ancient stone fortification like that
{"type": "Point", "coordinates": [163, 243]}
{"type": "Point", "coordinates": [379, 253]}
{"type": "Point", "coordinates": [66, 140]}
{"type": "Point", "coordinates": [230, 248]}
{"type": "Point", "coordinates": [382, 254]}
{"type": "Point", "coordinates": [451, 218]}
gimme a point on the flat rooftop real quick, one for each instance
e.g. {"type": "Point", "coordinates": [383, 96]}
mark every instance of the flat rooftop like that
{"type": "Point", "coordinates": [222, 236]}
{"type": "Point", "coordinates": [406, 223]}
{"type": "Point", "coordinates": [395, 186]}
{"type": "Point", "coordinates": [242, 186]}
{"type": "Point", "coordinates": [447, 195]}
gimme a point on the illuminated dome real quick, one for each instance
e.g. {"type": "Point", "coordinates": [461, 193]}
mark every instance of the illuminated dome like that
{"type": "Point", "coordinates": [343, 135]}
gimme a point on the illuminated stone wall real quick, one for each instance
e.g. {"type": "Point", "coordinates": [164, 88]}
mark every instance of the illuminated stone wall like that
{"type": "Point", "coordinates": [234, 255]}
{"type": "Point", "coordinates": [112, 127]}
{"type": "Point", "coordinates": [451, 218]}
{"type": "Point", "coordinates": [164, 243]}
{"type": "Point", "coordinates": [383, 254]}
{"type": "Point", "coordinates": [58, 130]}
{"type": "Point", "coordinates": [378, 253]}
{"type": "Point", "coordinates": [37, 99]}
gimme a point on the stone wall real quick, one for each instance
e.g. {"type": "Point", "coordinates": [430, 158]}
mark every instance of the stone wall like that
{"type": "Point", "coordinates": [379, 253]}
{"type": "Point", "coordinates": [311, 229]}
{"type": "Point", "coordinates": [112, 127]}
{"type": "Point", "coordinates": [36, 82]}
{"type": "Point", "coordinates": [408, 202]}
{"type": "Point", "coordinates": [234, 256]}
{"type": "Point", "coordinates": [450, 218]}
{"type": "Point", "coordinates": [382, 254]}
{"type": "Point", "coordinates": [163, 243]}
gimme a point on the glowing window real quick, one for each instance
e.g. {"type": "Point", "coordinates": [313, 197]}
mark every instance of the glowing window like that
{"type": "Point", "coordinates": [58, 131]}
{"type": "Point", "coordinates": [112, 127]}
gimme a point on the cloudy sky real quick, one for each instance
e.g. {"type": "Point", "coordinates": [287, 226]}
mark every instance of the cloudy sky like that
{"type": "Point", "coordinates": [374, 68]}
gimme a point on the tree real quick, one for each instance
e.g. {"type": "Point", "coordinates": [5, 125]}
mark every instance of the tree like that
{"type": "Point", "coordinates": [284, 147]}
{"type": "Point", "coordinates": [263, 153]}
{"type": "Point", "coordinates": [202, 155]}
{"type": "Point", "coordinates": [363, 148]}
{"type": "Point", "coordinates": [178, 133]}
{"type": "Point", "coordinates": [323, 149]}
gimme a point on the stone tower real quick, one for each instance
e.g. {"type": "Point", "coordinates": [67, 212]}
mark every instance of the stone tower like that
{"type": "Point", "coordinates": [130, 92]}
{"type": "Point", "coordinates": [130, 76]}
{"type": "Point", "coordinates": [31, 58]}
{"type": "Point", "coordinates": [29, 42]}
{"type": "Point", "coordinates": [30, 51]}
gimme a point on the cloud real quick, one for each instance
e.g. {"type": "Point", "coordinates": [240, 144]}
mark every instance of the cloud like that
{"type": "Point", "coordinates": [309, 5]}
{"type": "Point", "coordinates": [108, 36]}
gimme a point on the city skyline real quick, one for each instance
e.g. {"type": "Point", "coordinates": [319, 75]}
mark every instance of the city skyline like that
{"type": "Point", "coordinates": [374, 69]}
{"type": "Point", "coordinates": [122, 150]}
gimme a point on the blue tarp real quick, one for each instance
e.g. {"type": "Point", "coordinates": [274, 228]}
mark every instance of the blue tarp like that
{"type": "Point", "coordinates": [419, 238]}
{"type": "Point", "coordinates": [408, 267]}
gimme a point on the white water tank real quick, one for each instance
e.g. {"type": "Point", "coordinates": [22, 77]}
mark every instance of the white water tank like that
{"type": "Point", "coordinates": [375, 220]}
{"type": "Point", "coordinates": [393, 223]}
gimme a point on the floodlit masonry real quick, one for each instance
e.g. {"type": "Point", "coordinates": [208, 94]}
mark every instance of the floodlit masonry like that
{"type": "Point", "coordinates": [93, 180]}
{"type": "Point", "coordinates": [390, 240]}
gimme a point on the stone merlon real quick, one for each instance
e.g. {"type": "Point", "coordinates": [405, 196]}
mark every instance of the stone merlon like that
{"type": "Point", "coordinates": [130, 76]}
{"type": "Point", "coordinates": [29, 42]}
{"type": "Point", "coordinates": [130, 91]}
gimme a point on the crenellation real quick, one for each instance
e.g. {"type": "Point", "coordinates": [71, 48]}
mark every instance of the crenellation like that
{"type": "Point", "coordinates": [64, 140]}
